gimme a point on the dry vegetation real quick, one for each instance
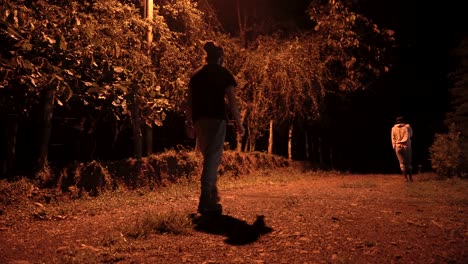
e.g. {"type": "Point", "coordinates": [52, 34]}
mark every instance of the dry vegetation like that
{"type": "Point", "coordinates": [274, 212]}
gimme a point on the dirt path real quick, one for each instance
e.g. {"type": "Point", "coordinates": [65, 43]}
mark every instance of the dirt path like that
{"type": "Point", "coordinates": [307, 219]}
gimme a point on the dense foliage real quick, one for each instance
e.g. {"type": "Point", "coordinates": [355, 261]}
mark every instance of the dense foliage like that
{"type": "Point", "coordinates": [449, 152]}
{"type": "Point", "coordinates": [97, 72]}
{"type": "Point", "coordinates": [95, 58]}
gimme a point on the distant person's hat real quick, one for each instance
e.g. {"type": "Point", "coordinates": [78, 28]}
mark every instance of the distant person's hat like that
{"type": "Point", "coordinates": [400, 120]}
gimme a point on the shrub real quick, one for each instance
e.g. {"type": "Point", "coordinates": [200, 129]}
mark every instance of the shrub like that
{"type": "Point", "coordinates": [448, 158]}
{"type": "Point", "coordinates": [13, 193]}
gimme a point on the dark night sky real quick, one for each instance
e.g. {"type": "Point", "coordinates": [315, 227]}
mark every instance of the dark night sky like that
{"type": "Point", "coordinates": [417, 86]}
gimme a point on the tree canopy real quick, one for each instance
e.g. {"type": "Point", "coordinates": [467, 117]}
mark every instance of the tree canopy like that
{"type": "Point", "coordinates": [96, 59]}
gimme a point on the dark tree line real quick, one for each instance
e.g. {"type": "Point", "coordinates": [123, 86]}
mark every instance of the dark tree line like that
{"type": "Point", "coordinates": [102, 80]}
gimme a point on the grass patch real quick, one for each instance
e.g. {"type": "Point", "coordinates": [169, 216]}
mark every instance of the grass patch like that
{"type": "Point", "coordinates": [451, 191]}
{"type": "Point", "coordinates": [359, 185]}
{"type": "Point", "coordinates": [172, 222]}
{"type": "Point", "coordinates": [78, 255]}
{"type": "Point", "coordinates": [266, 177]}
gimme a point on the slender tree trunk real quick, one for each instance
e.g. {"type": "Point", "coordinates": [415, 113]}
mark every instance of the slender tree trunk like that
{"type": "Point", "coordinates": [12, 133]}
{"type": "Point", "coordinates": [48, 112]}
{"type": "Point", "coordinates": [247, 144]}
{"type": "Point", "coordinates": [136, 125]}
{"type": "Point", "coordinates": [238, 143]}
{"type": "Point", "coordinates": [242, 22]}
{"type": "Point", "coordinates": [239, 137]}
{"type": "Point", "coordinates": [331, 157]}
{"type": "Point", "coordinates": [148, 140]}
{"type": "Point", "coordinates": [149, 40]}
{"type": "Point", "coordinates": [252, 141]}
{"type": "Point", "coordinates": [290, 134]}
{"type": "Point", "coordinates": [116, 131]}
{"type": "Point", "coordinates": [306, 145]}
{"type": "Point", "coordinates": [320, 151]}
{"type": "Point", "coordinates": [313, 147]}
{"type": "Point", "coordinates": [148, 10]}
{"type": "Point", "coordinates": [270, 139]}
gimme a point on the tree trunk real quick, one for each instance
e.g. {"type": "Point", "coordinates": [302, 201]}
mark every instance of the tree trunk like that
{"type": "Point", "coordinates": [12, 132]}
{"type": "Point", "coordinates": [252, 141]}
{"type": "Point", "coordinates": [46, 130]}
{"type": "Point", "coordinates": [242, 23]}
{"type": "Point", "coordinates": [148, 9]}
{"type": "Point", "coordinates": [290, 134]}
{"type": "Point", "coordinates": [270, 139]}
{"type": "Point", "coordinates": [312, 148]}
{"type": "Point", "coordinates": [306, 145]}
{"type": "Point", "coordinates": [148, 140]}
{"type": "Point", "coordinates": [320, 151]}
{"type": "Point", "coordinates": [136, 129]}
{"type": "Point", "coordinates": [149, 40]}
{"type": "Point", "coordinates": [239, 137]}
{"type": "Point", "coordinates": [247, 144]}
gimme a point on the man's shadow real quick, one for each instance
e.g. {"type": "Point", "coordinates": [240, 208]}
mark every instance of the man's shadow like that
{"type": "Point", "coordinates": [237, 232]}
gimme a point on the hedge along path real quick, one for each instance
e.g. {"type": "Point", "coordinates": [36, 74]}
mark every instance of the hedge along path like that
{"type": "Point", "coordinates": [156, 170]}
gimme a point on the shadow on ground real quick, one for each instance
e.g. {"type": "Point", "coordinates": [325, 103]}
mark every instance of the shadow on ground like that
{"type": "Point", "coordinates": [237, 232]}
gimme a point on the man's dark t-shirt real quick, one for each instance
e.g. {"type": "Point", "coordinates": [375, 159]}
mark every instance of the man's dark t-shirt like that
{"type": "Point", "coordinates": [208, 85]}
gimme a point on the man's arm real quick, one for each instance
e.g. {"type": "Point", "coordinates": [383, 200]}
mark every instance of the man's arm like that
{"type": "Point", "coordinates": [410, 131]}
{"type": "Point", "coordinates": [234, 108]}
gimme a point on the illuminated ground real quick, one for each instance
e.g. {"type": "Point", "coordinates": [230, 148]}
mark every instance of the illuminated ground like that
{"type": "Point", "coordinates": [309, 218]}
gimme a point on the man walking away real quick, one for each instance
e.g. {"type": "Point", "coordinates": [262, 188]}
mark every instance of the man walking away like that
{"type": "Point", "coordinates": [401, 142]}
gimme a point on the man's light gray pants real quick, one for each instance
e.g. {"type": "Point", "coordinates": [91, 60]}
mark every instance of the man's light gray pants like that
{"type": "Point", "coordinates": [404, 155]}
{"type": "Point", "coordinates": [210, 135]}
